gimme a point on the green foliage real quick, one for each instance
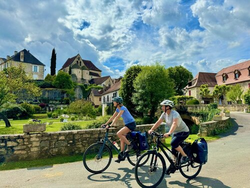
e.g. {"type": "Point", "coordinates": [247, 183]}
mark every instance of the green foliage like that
{"type": "Point", "coordinates": [29, 108]}
{"type": "Point", "coordinates": [14, 111]}
{"type": "Point", "coordinates": [152, 85]}
{"type": "Point", "coordinates": [49, 78]}
{"type": "Point", "coordinates": [63, 81]}
{"type": "Point", "coordinates": [194, 129]}
{"type": "Point", "coordinates": [204, 91]}
{"type": "Point", "coordinates": [180, 99]}
{"type": "Point", "coordinates": [247, 97]}
{"type": "Point", "coordinates": [192, 102]}
{"type": "Point", "coordinates": [212, 106]}
{"type": "Point", "coordinates": [180, 77]}
{"type": "Point", "coordinates": [234, 93]}
{"type": "Point", "coordinates": [49, 114]}
{"type": "Point", "coordinates": [70, 126]}
{"type": "Point", "coordinates": [98, 123]}
{"type": "Point", "coordinates": [82, 107]}
{"type": "Point", "coordinates": [127, 87]}
{"type": "Point", "coordinates": [54, 115]}
{"type": "Point", "coordinates": [219, 91]}
{"type": "Point", "coordinates": [86, 89]}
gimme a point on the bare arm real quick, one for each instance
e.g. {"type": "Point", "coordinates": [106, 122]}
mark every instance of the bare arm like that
{"type": "Point", "coordinates": [111, 118]}
{"type": "Point", "coordinates": [117, 117]}
{"type": "Point", "coordinates": [156, 125]}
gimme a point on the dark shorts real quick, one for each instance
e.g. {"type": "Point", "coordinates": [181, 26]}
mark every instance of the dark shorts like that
{"type": "Point", "coordinates": [131, 126]}
{"type": "Point", "coordinates": [177, 139]}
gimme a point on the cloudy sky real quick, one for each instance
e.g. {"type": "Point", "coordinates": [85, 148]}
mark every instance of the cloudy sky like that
{"type": "Point", "coordinates": [201, 35]}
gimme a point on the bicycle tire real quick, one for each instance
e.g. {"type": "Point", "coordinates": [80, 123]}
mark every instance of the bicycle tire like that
{"type": "Point", "coordinates": [189, 170]}
{"type": "Point", "coordinates": [150, 173]}
{"type": "Point", "coordinates": [133, 157]}
{"type": "Point", "coordinates": [94, 163]}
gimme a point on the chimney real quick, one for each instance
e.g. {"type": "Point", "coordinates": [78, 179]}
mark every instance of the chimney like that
{"type": "Point", "coordinates": [15, 52]}
{"type": "Point", "coordinates": [22, 56]}
{"type": "Point", "coordinates": [8, 57]}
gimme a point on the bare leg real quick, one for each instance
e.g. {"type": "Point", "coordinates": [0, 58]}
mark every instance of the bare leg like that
{"type": "Point", "coordinates": [122, 135]}
{"type": "Point", "coordinates": [179, 149]}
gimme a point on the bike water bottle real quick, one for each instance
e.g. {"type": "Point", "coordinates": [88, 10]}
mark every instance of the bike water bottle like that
{"type": "Point", "coordinates": [116, 145]}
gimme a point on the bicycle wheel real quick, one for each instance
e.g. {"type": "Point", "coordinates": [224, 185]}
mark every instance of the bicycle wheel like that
{"type": "Point", "coordinates": [95, 160]}
{"type": "Point", "coordinates": [190, 169]}
{"type": "Point", "coordinates": [133, 157]}
{"type": "Point", "coordinates": [150, 169]}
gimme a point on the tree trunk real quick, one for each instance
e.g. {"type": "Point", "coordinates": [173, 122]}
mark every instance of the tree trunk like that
{"type": "Point", "coordinates": [7, 122]}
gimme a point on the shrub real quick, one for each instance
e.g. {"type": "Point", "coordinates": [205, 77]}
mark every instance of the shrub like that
{"type": "Point", "coordinates": [49, 114]}
{"type": "Point", "coordinates": [29, 108]}
{"type": "Point", "coordinates": [14, 111]}
{"type": "Point", "coordinates": [212, 106]}
{"type": "Point", "coordinates": [42, 105]}
{"type": "Point", "coordinates": [98, 123]}
{"type": "Point", "coordinates": [192, 101]}
{"type": "Point", "coordinates": [70, 126]}
{"type": "Point", "coordinates": [194, 129]}
{"type": "Point", "coordinates": [54, 115]}
{"type": "Point", "coordinates": [72, 118]}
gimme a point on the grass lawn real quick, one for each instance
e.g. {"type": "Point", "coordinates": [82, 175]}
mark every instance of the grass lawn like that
{"type": "Point", "coordinates": [53, 124]}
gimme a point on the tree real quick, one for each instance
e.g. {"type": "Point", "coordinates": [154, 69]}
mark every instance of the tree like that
{"type": "Point", "coordinates": [15, 84]}
{"type": "Point", "coordinates": [204, 91]}
{"type": "Point", "coordinates": [234, 94]}
{"type": "Point", "coordinates": [219, 91]}
{"type": "Point", "coordinates": [127, 87]}
{"type": "Point", "coordinates": [180, 76]}
{"type": "Point", "coordinates": [152, 85]}
{"type": "Point", "coordinates": [247, 97]}
{"type": "Point", "coordinates": [86, 89]}
{"type": "Point", "coordinates": [53, 62]}
{"type": "Point", "coordinates": [63, 81]}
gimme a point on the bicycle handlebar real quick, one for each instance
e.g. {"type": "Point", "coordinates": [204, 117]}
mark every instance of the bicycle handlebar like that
{"type": "Point", "coordinates": [159, 135]}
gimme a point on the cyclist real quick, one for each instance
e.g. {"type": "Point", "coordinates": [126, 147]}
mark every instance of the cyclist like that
{"type": "Point", "coordinates": [129, 121]}
{"type": "Point", "coordinates": [178, 128]}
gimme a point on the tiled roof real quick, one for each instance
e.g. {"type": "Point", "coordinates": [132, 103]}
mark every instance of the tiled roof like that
{"type": "Point", "coordinates": [91, 66]}
{"type": "Point", "coordinates": [94, 74]}
{"type": "Point", "coordinates": [68, 62]}
{"type": "Point", "coordinates": [203, 78]}
{"type": "Point", "coordinates": [97, 92]}
{"type": "Point", "coordinates": [28, 58]}
{"type": "Point", "coordinates": [87, 63]}
{"type": "Point", "coordinates": [113, 88]}
{"type": "Point", "coordinates": [229, 72]}
{"type": "Point", "coordinates": [99, 81]}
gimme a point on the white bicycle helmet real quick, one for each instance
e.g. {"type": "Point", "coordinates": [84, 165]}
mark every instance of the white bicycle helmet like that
{"type": "Point", "coordinates": [167, 103]}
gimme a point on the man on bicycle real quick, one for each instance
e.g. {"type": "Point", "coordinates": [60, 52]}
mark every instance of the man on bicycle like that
{"type": "Point", "coordinates": [178, 128]}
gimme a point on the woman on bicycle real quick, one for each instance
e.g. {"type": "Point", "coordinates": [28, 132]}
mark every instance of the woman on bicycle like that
{"type": "Point", "coordinates": [178, 128]}
{"type": "Point", "coordinates": [129, 121]}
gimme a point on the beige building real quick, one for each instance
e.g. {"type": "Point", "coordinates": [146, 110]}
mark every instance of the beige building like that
{"type": "Point", "coordinates": [81, 71]}
{"type": "Point", "coordinates": [32, 66]}
{"type": "Point", "coordinates": [193, 87]}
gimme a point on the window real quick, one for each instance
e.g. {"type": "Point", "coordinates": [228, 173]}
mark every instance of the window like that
{"type": "Point", "coordinates": [107, 98]}
{"type": "Point", "coordinates": [103, 99]}
{"type": "Point", "coordinates": [100, 99]}
{"type": "Point", "coordinates": [236, 74]}
{"type": "Point", "coordinates": [114, 94]}
{"type": "Point", "coordinates": [35, 68]}
{"type": "Point", "coordinates": [189, 92]}
{"type": "Point", "coordinates": [224, 77]}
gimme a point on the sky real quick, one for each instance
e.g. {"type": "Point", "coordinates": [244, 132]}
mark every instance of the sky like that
{"type": "Point", "coordinates": [200, 35]}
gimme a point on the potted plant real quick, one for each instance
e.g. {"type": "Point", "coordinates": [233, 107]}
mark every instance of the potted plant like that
{"type": "Point", "coordinates": [217, 117]}
{"type": "Point", "coordinates": [34, 125]}
{"type": "Point", "coordinates": [227, 112]}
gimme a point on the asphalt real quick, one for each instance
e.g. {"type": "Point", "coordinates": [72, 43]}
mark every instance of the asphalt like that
{"type": "Point", "coordinates": [228, 166]}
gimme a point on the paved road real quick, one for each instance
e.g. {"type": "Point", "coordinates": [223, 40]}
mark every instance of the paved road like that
{"type": "Point", "coordinates": [228, 166]}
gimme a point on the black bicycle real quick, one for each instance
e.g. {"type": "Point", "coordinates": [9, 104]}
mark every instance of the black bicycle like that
{"type": "Point", "coordinates": [97, 156]}
{"type": "Point", "coordinates": [151, 172]}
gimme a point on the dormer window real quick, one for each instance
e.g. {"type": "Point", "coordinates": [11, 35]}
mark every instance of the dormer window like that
{"type": "Point", "coordinates": [224, 77]}
{"type": "Point", "coordinates": [236, 74]}
{"type": "Point", "coordinates": [249, 71]}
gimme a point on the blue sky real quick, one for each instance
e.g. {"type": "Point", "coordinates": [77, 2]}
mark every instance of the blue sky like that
{"type": "Point", "coordinates": [200, 35]}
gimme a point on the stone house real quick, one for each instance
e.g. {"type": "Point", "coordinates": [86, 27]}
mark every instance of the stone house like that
{"type": "Point", "coordinates": [96, 94]}
{"type": "Point", "coordinates": [193, 87]}
{"type": "Point", "coordinates": [235, 74]}
{"type": "Point", "coordinates": [32, 66]}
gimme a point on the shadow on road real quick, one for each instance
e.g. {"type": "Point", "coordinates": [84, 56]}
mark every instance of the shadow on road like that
{"type": "Point", "coordinates": [199, 182]}
{"type": "Point", "coordinates": [233, 130]}
{"type": "Point", "coordinates": [111, 176]}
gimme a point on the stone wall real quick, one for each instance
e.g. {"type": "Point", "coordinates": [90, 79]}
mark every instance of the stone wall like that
{"type": "Point", "coordinates": [44, 145]}
{"type": "Point", "coordinates": [211, 128]}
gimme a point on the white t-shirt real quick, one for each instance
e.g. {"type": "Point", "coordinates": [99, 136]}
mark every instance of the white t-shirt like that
{"type": "Point", "coordinates": [181, 125]}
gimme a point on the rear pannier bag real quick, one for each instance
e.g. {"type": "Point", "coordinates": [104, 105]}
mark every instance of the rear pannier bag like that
{"type": "Point", "coordinates": [141, 139]}
{"type": "Point", "coordinates": [200, 150]}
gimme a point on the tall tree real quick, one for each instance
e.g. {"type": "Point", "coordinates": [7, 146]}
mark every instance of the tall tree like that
{"type": "Point", "coordinates": [127, 88]}
{"type": "Point", "coordinates": [234, 94]}
{"type": "Point", "coordinates": [152, 85]}
{"type": "Point", "coordinates": [63, 81]}
{"type": "Point", "coordinates": [53, 62]}
{"type": "Point", "coordinates": [219, 91]}
{"type": "Point", "coordinates": [204, 91]}
{"type": "Point", "coordinates": [180, 76]}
